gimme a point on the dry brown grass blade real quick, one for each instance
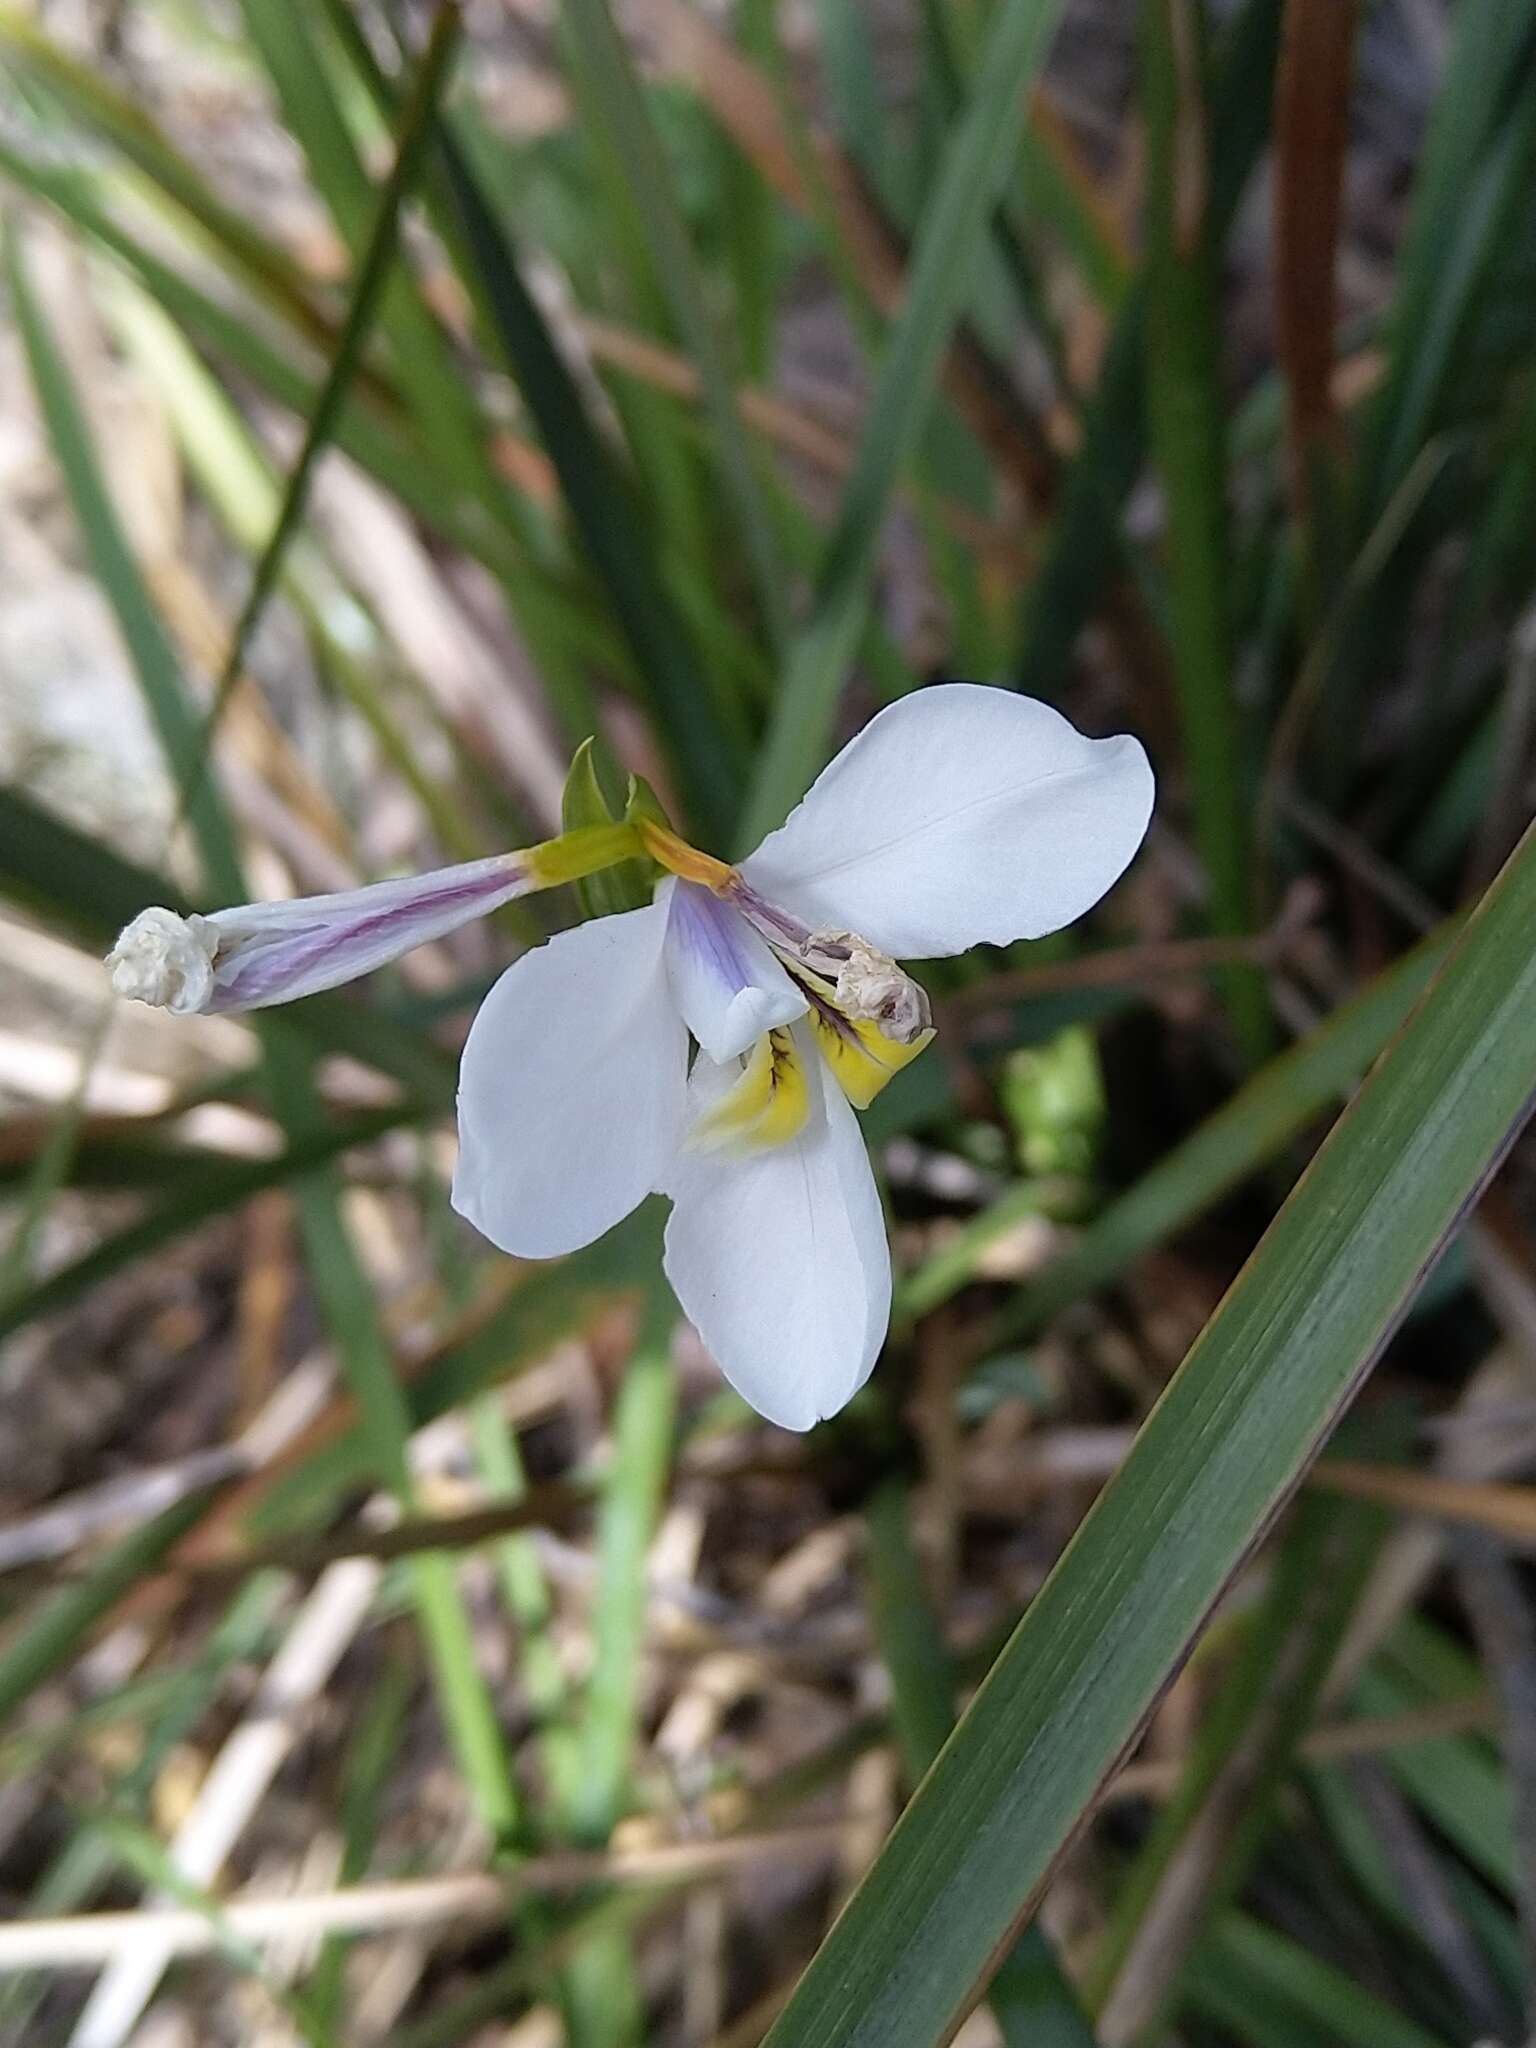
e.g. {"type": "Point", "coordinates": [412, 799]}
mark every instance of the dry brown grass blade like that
{"type": "Point", "coordinates": [211, 1544]}
{"type": "Point", "coordinates": [1138, 967]}
{"type": "Point", "coordinates": [465, 1897]}
{"type": "Point", "coordinates": [1311, 137]}
{"type": "Point", "coordinates": [1507, 1511]}
{"type": "Point", "coordinates": [552, 1505]}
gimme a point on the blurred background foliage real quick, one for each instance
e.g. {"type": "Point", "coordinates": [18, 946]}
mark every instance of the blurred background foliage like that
{"type": "Point", "coordinates": [395, 399]}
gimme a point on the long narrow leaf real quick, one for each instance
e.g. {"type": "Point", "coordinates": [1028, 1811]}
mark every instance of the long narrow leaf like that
{"type": "Point", "coordinates": [1184, 404]}
{"type": "Point", "coordinates": [953, 230]}
{"type": "Point", "coordinates": [632, 133]}
{"type": "Point", "coordinates": [373, 272]}
{"type": "Point", "coordinates": [1235, 1430]}
{"type": "Point", "coordinates": [603, 508]}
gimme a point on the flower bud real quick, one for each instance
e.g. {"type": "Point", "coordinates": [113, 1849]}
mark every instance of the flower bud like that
{"type": "Point", "coordinates": [165, 960]}
{"type": "Point", "coordinates": [262, 953]}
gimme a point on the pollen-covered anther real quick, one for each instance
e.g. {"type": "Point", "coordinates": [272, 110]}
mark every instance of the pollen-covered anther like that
{"type": "Point", "coordinates": [871, 988]}
{"type": "Point", "coordinates": [167, 960]}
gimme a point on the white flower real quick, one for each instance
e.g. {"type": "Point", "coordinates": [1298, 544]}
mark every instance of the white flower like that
{"type": "Point", "coordinates": [961, 815]}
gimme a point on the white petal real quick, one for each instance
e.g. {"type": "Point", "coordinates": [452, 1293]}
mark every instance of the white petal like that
{"type": "Point", "coordinates": [960, 815]}
{"type": "Point", "coordinates": [261, 953]}
{"type": "Point", "coordinates": [728, 985]}
{"type": "Point", "coordinates": [572, 1088]}
{"type": "Point", "coordinates": [779, 1257]}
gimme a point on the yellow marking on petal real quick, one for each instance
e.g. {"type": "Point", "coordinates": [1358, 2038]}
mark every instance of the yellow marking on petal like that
{"type": "Point", "coordinates": [769, 1104]}
{"type": "Point", "coordinates": [861, 1057]}
{"type": "Point", "coordinates": [679, 858]}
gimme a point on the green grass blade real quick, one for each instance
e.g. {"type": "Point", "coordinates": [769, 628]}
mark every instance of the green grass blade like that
{"type": "Point", "coordinates": [149, 649]}
{"type": "Point", "coordinates": [348, 1301]}
{"type": "Point", "coordinates": [1032, 2001]}
{"type": "Point", "coordinates": [907, 1631]}
{"type": "Point", "coordinates": [81, 886]}
{"type": "Point", "coordinates": [1448, 239]}
{"type": "Point", "coordinates": [371, 1758]}
{"type": "Point", "coordinates": [603, 508]}
{"type": "Point", "coordinates": [631, 132]}
{"type": "Point", "coordinates": [438, 395]}
{"type": "Point", "coordinates": [372, 427]}
{"type": "Point", "coordinates": [1266, 1114]}
{"type": "Point", "coordinates": [944, 262]}
{"type": "Point", "coordinates": [1234, 1431]}
{"type": "Point", "coordinates": [345, 1293]}
{"type": "Point", "coordinates": [1084, 541]}
{"type": "Point", "coordinates": [545, 1308]}
{"type": "Point", "coordinates": [1222, 1805]}
{"type": "Point", "coordinates": [113, 117]}
{"type": "Point", "coordinates": [1250, 1967]}
{"type": "Point", "coordinates": [228, 461]}
{"type": "Point", "coordinates": [373, 273]}
{"type": "Point", "coordinates": [202, 1191]}
{"type": "Point", "coordinates": [51, 1635]}
{"type": "Point", "coordinates": [1186, 410]}
{"type": "Point", "coordinates": [70, 1877]}
{"type": "Point", "coordinates": [599, 1988]}
{"type": "Point", "coordinates": [632, 1495]}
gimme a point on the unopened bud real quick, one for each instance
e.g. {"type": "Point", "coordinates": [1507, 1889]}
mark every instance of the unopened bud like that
{"type": "Point", "coordinates": [263, 953]}
{"type": "Point", "coordinates": [166, 960]}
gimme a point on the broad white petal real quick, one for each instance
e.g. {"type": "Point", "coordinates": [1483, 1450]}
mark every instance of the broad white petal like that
{"type": "Point", "coordinates": [572, 1088]}
{"type": "Point", "coordinates": [959, 815]}
{"type": "Point", "coordinates": [728, 985]}
{"type": "Point", "coordinates": [779, 1257]}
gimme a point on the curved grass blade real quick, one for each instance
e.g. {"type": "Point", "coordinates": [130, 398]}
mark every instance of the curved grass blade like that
{"type": "Point", "coordinates": [1230, 1438]}
{"type": "Point", "coordinates": [344, 1291]}
{"type": "Point", "coordinates": [1269, 1112]}
{"type": "Point", "coordinates": [373, 275]}
{"type": "Point", "coordinates": [201, 1191]}
{"type": "Point", "coordinates": [423, 360]}
{"type": "Point", "coordinates": [1477, 143]}
{"type": "Point", "coordinates": [603, 509]}
{"type": "Point", "coordinates": [1084, 540]}
{"type": "Point", "coordinates": [106, 112]}
{"type": "Point", "coordinates": [631, 132]}
{"type": "Point", "coordinates": [953, 228]}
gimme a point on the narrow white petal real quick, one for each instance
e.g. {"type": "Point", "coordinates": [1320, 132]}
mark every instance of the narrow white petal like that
{"type": "Point", "coordinates": [263, 953]}
{"type": "Point", "coordinates": [572, 1088]}
{"type": "Point", "coordinates": [960, 815]}
{"type": "Point", "coordinates": [728, 985]}
{"type": "Point", "coordinates": [779, 1257]}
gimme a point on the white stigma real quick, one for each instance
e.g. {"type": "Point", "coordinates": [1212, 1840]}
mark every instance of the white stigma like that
{"type": "Point", "coordinates": [165, 960]}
